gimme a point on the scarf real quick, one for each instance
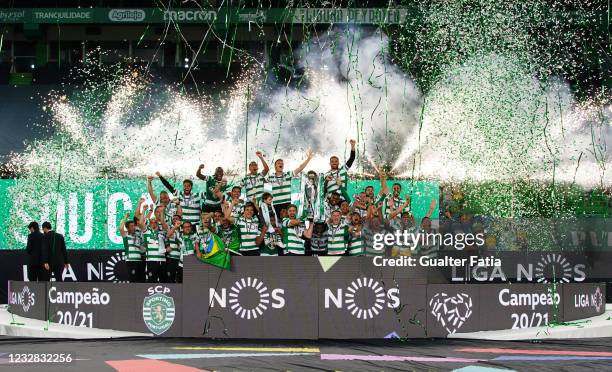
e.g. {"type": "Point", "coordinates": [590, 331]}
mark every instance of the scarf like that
{"type": "Point", "coordinates": [265, 211]}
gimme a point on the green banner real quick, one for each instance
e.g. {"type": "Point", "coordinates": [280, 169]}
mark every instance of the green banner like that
{"type": "Point", "coordinates": [205, 16]}
{"type": "Point", "coordinates": [89, 218]}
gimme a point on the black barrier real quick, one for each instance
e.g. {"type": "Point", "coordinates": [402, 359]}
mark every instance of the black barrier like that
{"type": "Point", "coordinates": [259, 298]}
{"type": "Point", "coordinates": [355, 299]}
{"type": "Point", "coordinates": [27, 299]}
{"type": "Point", "coordinates": [519, 267]}
{"type": "Point", "coordinates": [582, 300]}
{"type": "Point", "coordinates": [135, 307]}
{"type": "Point", "coordinates": [520, 305]}
{"type": "Point", "coordinates": [142, 308]}
{"type": "Point", "coordinates": [308, 298]}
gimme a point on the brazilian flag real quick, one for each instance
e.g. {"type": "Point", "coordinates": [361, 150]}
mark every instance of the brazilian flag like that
{"type": "Point", "coordinates": [217, 255]}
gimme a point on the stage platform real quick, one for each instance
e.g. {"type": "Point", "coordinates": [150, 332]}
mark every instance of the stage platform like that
{"type": "Point", "coordinates": [18, 326]}
{"type": "Point", "coordinates": [303, 300]}
{"type": "Point", "coordinates": [599, 326]}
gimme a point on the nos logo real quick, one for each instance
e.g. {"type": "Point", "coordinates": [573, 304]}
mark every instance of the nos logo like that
{"type": "Point", "coordinates": [357, 301]}
{"type": "Point", "coordinates": [25, 298]}
{"type": "Point", "coordinates": [248, 298]}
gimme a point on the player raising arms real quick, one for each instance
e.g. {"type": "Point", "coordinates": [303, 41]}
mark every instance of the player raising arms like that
{"type": "Point", "coordinates": [281, 182]}
{"type": "Point", "coordinates": [215, 187]}
{"type": "Point", "coordinates": [133, 249]}
{"type": "Point", "coordinates": [253, 183]}
{"type": "Point", "coordinates": [163, 199]}
{"type": "Point", "coordinates": [332, 184]}
{"type": "Point", "coordinates": [173, 249]}
{"type": "Point", "coordinates": [154, 241]}
{"type": "Point", "coordinates": [189, 200]}
{"type": "Point", "coordinates": [249, 233]}
{"type": "Point", "coordinates": [294, 233]}
{"type": "Point", "coordinates": [394, 202]}
{"type": "Point", "coordinates": [189, 243]}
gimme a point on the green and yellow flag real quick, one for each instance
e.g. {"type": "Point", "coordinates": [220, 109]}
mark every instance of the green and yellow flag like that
{"type": "Point", "coordinates": [217, 255]}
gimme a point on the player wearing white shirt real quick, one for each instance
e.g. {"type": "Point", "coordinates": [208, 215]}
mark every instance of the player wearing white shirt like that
{"type": "Point", "coordinates": [295, 233]}
{"type": "Point", "coordinates": [249, 233]}
{"type": "Point", "coordinates": [170, 206]}
{"type": "Point", "coordinates": [281, 182]}
{"type": "Point", "coordinates": [236, 203]}
{"type": "Point", "coordinates": [338, 237]}
{"type": "Point", "coordinates": [337, 177]}
{"type": "Point", "coordinates": [394, 202]}
{"type": "Point", "coordinates": [133, 249]}
{"type": "Point", "coordinates": [191, 201]}
{"type": "Point", "coordinates": [253, 183]}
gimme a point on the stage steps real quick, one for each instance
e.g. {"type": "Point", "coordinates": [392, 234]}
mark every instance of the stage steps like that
{"type": "Point", "coordinates": [17, 326]}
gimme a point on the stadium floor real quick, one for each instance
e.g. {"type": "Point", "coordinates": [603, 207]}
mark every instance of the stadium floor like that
{"type": "Point", "coordinates": [184, 355]}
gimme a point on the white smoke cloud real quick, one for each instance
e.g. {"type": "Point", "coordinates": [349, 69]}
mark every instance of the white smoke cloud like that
{"type": "Point", "coordinates": [352, 91]}
{"type": "Point", "coordinates": [488, 119]}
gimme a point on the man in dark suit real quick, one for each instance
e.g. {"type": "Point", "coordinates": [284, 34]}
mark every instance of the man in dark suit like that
{"type": "Point", "coordinates": [36, 271]}
{"type": "Point", "coordinates": [54, 258]}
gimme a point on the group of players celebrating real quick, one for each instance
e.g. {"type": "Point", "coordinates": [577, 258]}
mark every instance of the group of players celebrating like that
{"type": "Point", "coordinates": [327, 221]}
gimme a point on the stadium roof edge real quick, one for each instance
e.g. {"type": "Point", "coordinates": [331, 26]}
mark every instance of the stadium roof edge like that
{"type": "Point", "coordinates": [372, 16]}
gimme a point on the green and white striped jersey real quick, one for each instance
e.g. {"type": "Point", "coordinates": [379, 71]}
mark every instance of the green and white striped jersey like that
{"type": "Point", "coordinates": [281, 187]}
{"type": "Point", "coordinates": [271, 242]}
{"type": "Point", "coordinates": [369, 232]}
{"type": "Point", "coordinates": [253, 186]}
{"type": "Point", "coordinates": [380, 198]}
{"type": "Point", "coordinates": [396, 203]}
{"type": "Point", "coordinates": [132, 248]}
{"type": "Point", "coordinates": [328, 208]}
{"type": "Point", "coordinates": [332, 185]}
{"type": "Point", "coordinates": [175, 245]}
{"type": "Point", "coordinates": [248, 230]}
{"type": "Point", "coordinates": [169, 210]}
{"type": "Point", "coordinates": [154, 245]}
{"type": "Point", "coordinates": [337, 239]}
{"type": "Point", "coordinates": [211, 183]}
{"type": "Point", "coordinates": [293, 237]}
{"type": "Point", "coordinates": [192, 207]}
{"type": "Point", "coordinates": [205, 236]}
{"type": "Point", "coordinates": [139, 241]}
{"type": "Point", "coordinates": [356, 244]}
{"type": "Point", "coordinates": [362, 211]}
{"type": "Point", "coordinates": [237, 209]}
{"type": "Point", "coordinates": [187, 245]}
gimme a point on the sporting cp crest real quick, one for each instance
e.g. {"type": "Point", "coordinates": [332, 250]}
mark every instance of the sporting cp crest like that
{"type": "Point", "coordinates": [158, 313]}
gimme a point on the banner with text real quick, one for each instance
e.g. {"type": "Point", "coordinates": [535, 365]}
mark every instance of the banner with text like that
{"type": "Point", "coordinates": [221, 16]}
{"type": "Point", "coordinates": [89, 216]}
{"type": "Point", "coordinates": [344, 298]}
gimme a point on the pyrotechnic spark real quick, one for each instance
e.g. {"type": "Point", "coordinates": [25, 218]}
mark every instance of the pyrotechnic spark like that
{"type": "Point", "coordinates": [474, 92]}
